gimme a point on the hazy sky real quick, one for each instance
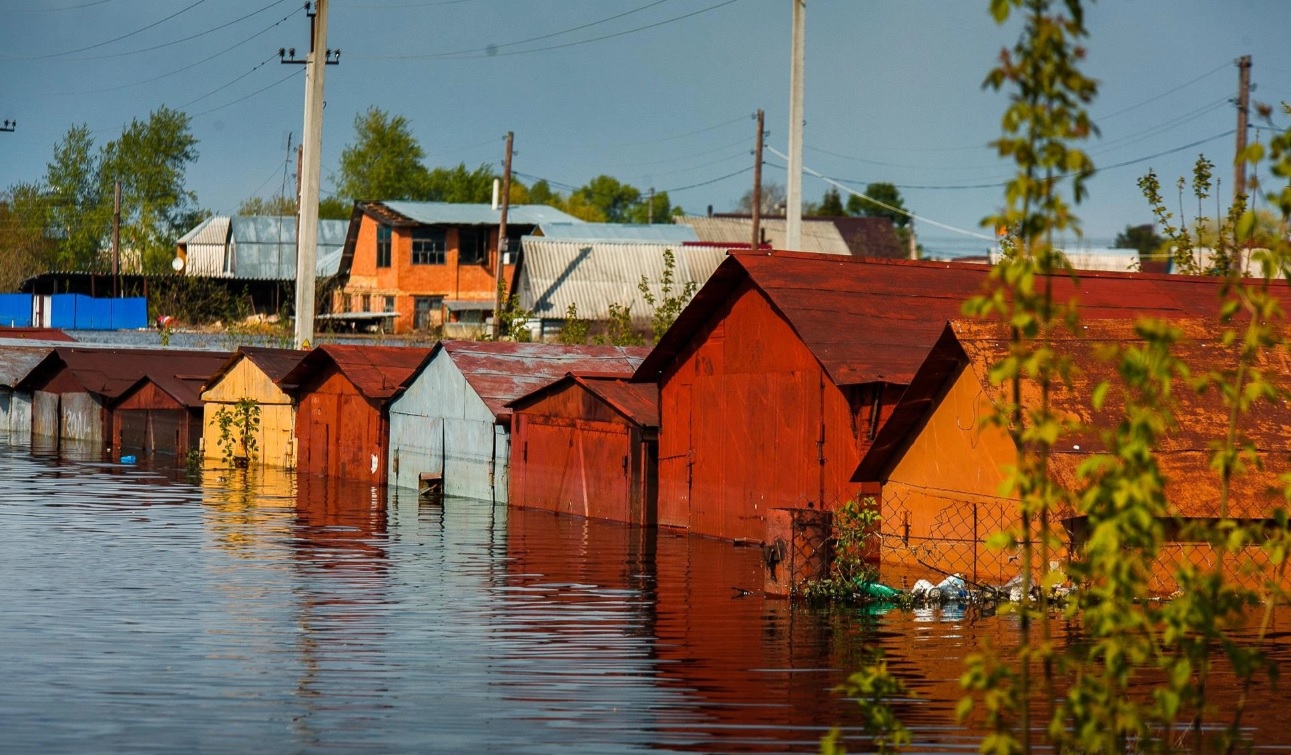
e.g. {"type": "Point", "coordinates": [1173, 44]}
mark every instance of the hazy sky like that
{"type": "Point", "coordinates": [660, 96]}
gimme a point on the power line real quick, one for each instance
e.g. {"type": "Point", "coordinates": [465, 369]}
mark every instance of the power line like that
{"type": "Point", "coordinates": [254, 68]}
{"type": "Point", "coordinates": [697, 131]}
{"type": "Point", "coordinates": [295, 72]}
{"type": "Point", "coordinates": [190, 37]}
{"type": "Point", "coordinates": [490, 52]}
{"type": "Point", "coordinates": [110, 41]}
{"type": "Point", "coordinates": [54, 10]}
{"type": "Point", "coordinates": [670, 160]}
{"type": "Point", "coordinates": [677, 189]}
{"type": "Point", "coordinates": [1166, 93]}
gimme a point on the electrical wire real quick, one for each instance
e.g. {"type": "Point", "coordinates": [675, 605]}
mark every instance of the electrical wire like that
{"type": "Point", "coordinates": [1166, 93]}
{"type": "Point", "coordinates": [191, 37]}
{"type": "Point", "coordinates": [222, 87]}
{"type": "Point", "coordinates": [746, 154]}
{"type": "Point", "coordinates": [671, 160]}
{"type": "Point", "coordinates": [677, 189]}
{"type": "Point", "coordinates": [490, 52]}
{"type": "Point", "coordinates": [697, 131]}
{"type": "Point", "coordinates": [55, 10]}
{"type": "Point", "coordinates": [299, 70]}
{"type": "Point", "coordinates": [181, 11]}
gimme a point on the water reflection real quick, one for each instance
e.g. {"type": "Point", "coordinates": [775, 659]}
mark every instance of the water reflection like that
{"type": "Point", "coordinates": [154, 609]}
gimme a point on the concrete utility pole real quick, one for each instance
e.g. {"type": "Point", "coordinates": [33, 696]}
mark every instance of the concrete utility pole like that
{"type": "Point", "coordinates": [502, 239]}
{"type": "Point", "coordinates": [315, 63]}
{"type": "Point", "coordinates": [756, 208]}
{"type": "Point", "coordinates": [1243, 113]}
{"type": "Point", "coordinates": [116, 240]}
{"type": "Point", "coordinates": [793, 185]}
{"type": "Point", "coordinates": [650, 208]}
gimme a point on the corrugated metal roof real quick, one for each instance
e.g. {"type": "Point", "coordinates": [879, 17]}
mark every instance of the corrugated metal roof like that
{"type": "Point", "coordinates": [592, 275]}
{"type": "Point", "coordinates": [110, 371]}
{"type": "Point", "coordinates": [376, 371]}
{"type": "Point", "coordinates": [1183, 451]}
{"type": "Point", "coordinates": [213, 230]}
{"type": "Point", "coordinates": [34, 334]}
{"type": "Point", "coordinates": [660, 233]}
{"type": "Point", "coordinates": [264, 248]}
{"type": "Point", "coordinates": [638, 402]}
{"type": "Point", "coordinates": [17, 361]}
{"type": "Point", "coordinates": [185, 389]}
{"type": "Point", "coordinates": [819, 236]}
{"type": "Point", "coordinates": [454, 213]}
{"type": "Point", "coordinates": [501, 372]}
{"type": "Point", "coordinates": [874, 321]}
{"type": "Point", "coordinates": [274, 363]}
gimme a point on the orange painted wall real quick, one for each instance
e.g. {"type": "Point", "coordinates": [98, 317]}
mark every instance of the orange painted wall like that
{"type": "Point", "coordinates": [744, 411]}
{"type": "Point", "coordinates": [339, 433]}
{"type": "Point", "coordinates": [404, 280]}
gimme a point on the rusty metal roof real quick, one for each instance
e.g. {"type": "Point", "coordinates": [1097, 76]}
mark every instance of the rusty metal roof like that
{"type": "Point", "coordinates": [35, 334]}
{"type": "Point", "coordinates": [637, 402]}
{"type": "Point", "coordinates": [819, 236]}
{"type": "Point", "coordinates": [19, 359]}
{"type": "Point", "coordinates": [376, 371]}
{"type": "Point", "coordinates": [109, 372]}
{"type": "Point", "coordinates": [274, 363]}
{"type": "Point", "coordinates": [1184, 451]}
{"type": "Point", "coordinates": [185, 389]}
{"type": "Point", "coordinates": [874, 321]}
{"type": "Point", "coordinates": [501, 371]}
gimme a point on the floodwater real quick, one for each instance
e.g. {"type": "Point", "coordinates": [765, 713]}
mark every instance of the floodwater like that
{"type": "Point", "coordinates": [154, 610]}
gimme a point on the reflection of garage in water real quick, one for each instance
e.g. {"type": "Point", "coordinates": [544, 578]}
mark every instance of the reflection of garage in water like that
{"type": "Point", "coordinates": [158, 416]}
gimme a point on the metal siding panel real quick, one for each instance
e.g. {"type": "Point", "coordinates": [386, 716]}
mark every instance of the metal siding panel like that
{"type": "Point", "coordinates": [44, 414]}
{"type": "Point", "coordinates": [468, 452]}
{"type": "Point", "coordinates": [20, 416]}
{"type": "Point", "coordinates": [82, 417]}
{"type": "Point", "coordinates": [417, 420]}
{"type": "Point", "coordinates": [674, 455]}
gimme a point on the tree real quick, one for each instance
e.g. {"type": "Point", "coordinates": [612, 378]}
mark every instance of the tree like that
{"type": "Point", "coordinates": [273, 206]}
{"type": "Point", "coordinates": [773, 201]}
{"type": "Point", "coordinates": [77, 210]}
{"type": "Point", "coordinates": [458, 184]}
{"type": "Point", "coordinates": [613, 199]}
{"type": "Point", "coordinates": [831, 205]}
{"type": "Point", "coordinates": [150, 160]}
{"type": "Point", "coordinates": [28, 248]}
{"type": "Point", "coordinates": [334, 208]}
{"type": "Point", "coordinates": [888, 195]}
{"type": "Point", "coordinates": [1141, 237]}
{"type": "Point", "coordinates": [662, 212]}
{"type": "Point", "coordinates": [541, 193]}
{"type": "Point", "coordinates": [384, 162]}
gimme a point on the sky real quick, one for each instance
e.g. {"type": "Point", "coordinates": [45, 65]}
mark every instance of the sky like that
{"type": "Point", "coordinates": [657, 93]}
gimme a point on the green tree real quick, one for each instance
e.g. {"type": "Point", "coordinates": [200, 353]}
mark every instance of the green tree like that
{"type": "Point", "coordinates": [458, 184]}
{"type": "Point", "coordinates": [78, 211]}
{"type": "Point", "coordinates": [150, 160]}
{"type": "Point", "coordinates": [614, 200]}
{"type": "Point", "coordinates": [663, 211]}
{"type": "Point", "coordinates": [384, 162]}
{"type": "Point", "coordinates": [1141, 237]}
{"type": "Point", "coordinates": [541, 193]}
{"type": "Point", "coordinates": [273, 206]}
{"type": "Point", "coordinates": [888, 195]}
{"type": "Point", "coordinates": [334, 208]}
{"type": "Point", "coordinates": [23, 235]}
{"type": "Point", "coordinates": [831, 205]}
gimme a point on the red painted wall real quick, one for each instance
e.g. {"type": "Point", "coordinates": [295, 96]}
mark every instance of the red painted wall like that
{"type": "Point", "coordinates": [169, 427]}
{"type": "Point", "coordinates": [750, 421]}
{"type": "Point", "coordinates": [338, 431]}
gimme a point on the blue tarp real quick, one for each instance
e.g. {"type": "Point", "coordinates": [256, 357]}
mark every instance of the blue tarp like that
{"type": "Point", "coordinates": [15, 310]}
{"type": "Point", "coordinates": [79, 312]}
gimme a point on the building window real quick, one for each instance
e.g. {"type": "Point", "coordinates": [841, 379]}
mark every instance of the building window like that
{"type": "Point", "coordinates": [426, 311]}
{"type": "Point", "coordinates": [367, 302]}
{"type": "Point", "coordinates": [428, 246]}
{"type": "Point", "coordinates": [383, 246]}
{"type": "Point", "coordinates": [472, 246]}
{"type": "Point", "coordinates": [389, 304]}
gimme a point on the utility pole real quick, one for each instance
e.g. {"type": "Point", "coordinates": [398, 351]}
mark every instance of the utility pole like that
{"type": "Point", "coordinates": [116, 240]}
{"type": "Point", "coordinates": [502, 239]}
{"type": "Point", "coordinates": [1243, 112]}
{"type": "Point", "coordinates": [756, 209]}
{"type": "Point", "coordinates": [793, 186]}
{"type": "Point", "coordinates": [311, 147]}
{"type": "Point", "coordinates": [9, 125]}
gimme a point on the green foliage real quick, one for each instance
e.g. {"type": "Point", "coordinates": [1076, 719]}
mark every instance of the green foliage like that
{"type": "Point", "coordinates": [619, 330]}
{"type": "Point", "coordinates": [384, 162]}
{"type": "Point", "coordinates": [886, 194]}
{"type": "Point", "coordinates": [239, 426]}
{"type": "Point", "coordinates": [334, 208]}
{"type": "Point", "coordinates": [458, 184]}
{"type": "Point", "coordinates": [28, 248]}
{"type": "Point", "coordinates": [658, 209]}
{"type": "Point", "coordinates": [669, 304]}
{"type": "Point", "coordinates": [574, 331]}
{"type": "Point", "coordinates": [873, 687]}
{"type": "Point", "coordinates": [513, 320]}
{"type": "Point", "coordinates": [1144, 238]}
{"type": "Point", "coordinates": [78, 211]}
{"type": "Point", "coordinates": [273, 206]}
{"type": "Point", "coordinates": [831, 205]}
{"type": "Point", "coordinates": [614, 200]}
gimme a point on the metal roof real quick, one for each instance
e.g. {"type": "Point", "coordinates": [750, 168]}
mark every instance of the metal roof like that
{"type": "Point", "coordinates": [18, 360]}
{"type": "Point", "coordinates": [274, 363]}
{"type": "Point", "coordinates": [1183, 451]}
{"type": "Point", "coordinates": [376, 371]}
{"type": "Point", "coordinates": [661, 233]}
{"type": "Point", "coordinates": [213, 230]}
{"type": "Point", "coordinates": [874, 321]}
{"type": "Point", "coordinates": [637, 402]}
{"type": "Point", "coordinates": [501, 372]}
{"type": "Point", "coordinates": [819, 236]}
{"type": "Point", "coordinates": [185, 389]}
{"type": "Point", "coordinates": [264, 248]}
{"type": "Point", "coordinates": [56, 335]}
{"type": "Point", "coordinates": [109, 372]}
{"type": "Point", "coordinates": [455, 213]}
{"type": "Point", "coordinates": [592, 275]}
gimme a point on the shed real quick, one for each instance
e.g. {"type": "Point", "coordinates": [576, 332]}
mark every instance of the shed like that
{"type": "Point", "coordinates": [17, 358]}
{"type": "Point", "coordinates": [343, 393]}
{"type": "Point", "coordinates": [777, 377]}
{"type": "Point", "coordinates": [254, 373]}
{"type": "Point", "coordinates": [587, 445]}
{"type": "Point", "coordinates": [73, 386]}
{"type": "Point", "coordinates": [160, 415]}
{"type": "Point", "coordinates": [450, 426]}
{"type": "Point", "coordinates": [939, 459]}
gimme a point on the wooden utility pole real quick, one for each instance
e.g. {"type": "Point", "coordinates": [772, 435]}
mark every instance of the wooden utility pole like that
{"type": "Point", "coordinates": [311, 148]}
{"type": "Point", "coordinates": [756, 209]}
{"type": "Point", "coordinates": [116, 240]}
{"type": "Point", "coordinates": [502, 239]}
{"type": "Point", "coordinates": [793, 184]}
{"type": "Point", "coordinates": [1243, 112]}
